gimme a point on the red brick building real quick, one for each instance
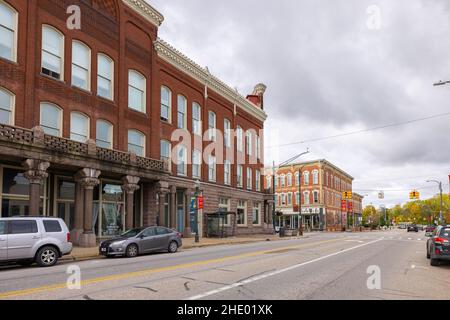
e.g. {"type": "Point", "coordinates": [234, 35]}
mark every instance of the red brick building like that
{"type": "Point", "coordinates": [320, 184]}
{"type": "Point", "coordinates": [90, 102]}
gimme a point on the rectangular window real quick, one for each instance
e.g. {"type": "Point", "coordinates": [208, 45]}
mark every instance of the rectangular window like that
{"type": "Point", "coordinates": [212, 126]}
{"type": "Point", "coordinates": [51, 117]}
{"type": "Point", "coordinates": [316, 197]}
{"type": "Point", "coordinates": [212, 169]}
{"type": "Point", "coordinates": [52, 52]}
{"type": "Point", "coordinates": [136, 143]}
{"type": "Point", "coordinates": [166, 104]}
{"type": "Point", "coordinates": [81, 65]}
{"type": "Point", "coordinates": [240, 178]}
{"type": "Point", "coordinates": [227, 172]}
{"type": "Point", "coordinates": [240, 139]}
{"type": "Point", "coordinates": [256, 214]}
{"type": "Point", "coordinates": [165, 150]}
{"type": "Point", "coordinates": [79, 127]}
{"type": "Point", "coordinates": [104, 134]}
{"type": "Point", "coordinates": [196, 119]}
{"type": "Point", "coordinates": [23, 227]}
{"type": "Point", "coordinates": [8, 25]}
{"type": "Point", "coordinates": [258, 147]}
{"type": "Point", "coordinates": [7, 104]}
{"type": "Point", "coordinates": [249, 143]}
{"type": "Point", "coordinates": [105, 77]}
{"type": "Point", "coordinates": [224, 206]}
{"type": "Point", "coordinates": [181, 161]}
{"type": "Point", "coordinates": [249, 178]}
{"type": "Point", "coordinates": [289, 199]}
{"type": "Point", "coordinates": [258, 180]}
{"type": "Point", "coordinates": [136, 91]}
{"type": "Point", "coordinates": [241, 213]}
{"type": "Point", "coordinates": [52, 226]}
{"type": "Point", "coordinates": [182, 106]}
{"type": "Point", "coordinates": [196, 164]}
{"type": "Point", "coordinates": [227, 133]}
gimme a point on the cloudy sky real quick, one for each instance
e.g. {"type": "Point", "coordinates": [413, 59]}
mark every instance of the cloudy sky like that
{"type": "Point", "coordinates": [334, 67]}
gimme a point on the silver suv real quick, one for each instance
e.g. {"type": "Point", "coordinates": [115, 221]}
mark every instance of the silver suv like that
{"type": "Point", "coordinates": [26, 240]}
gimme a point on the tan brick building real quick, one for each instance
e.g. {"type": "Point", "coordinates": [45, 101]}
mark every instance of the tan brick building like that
{"type": "Point", "coordinates": [320, 185]}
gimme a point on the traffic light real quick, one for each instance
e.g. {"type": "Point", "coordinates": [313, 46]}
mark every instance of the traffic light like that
{"type": "Point", "coordinates": [347, 195]}
{"type": "Point", "coordinates": [200, 203]}
{"type": "Point", "coordinates": [414, 195]}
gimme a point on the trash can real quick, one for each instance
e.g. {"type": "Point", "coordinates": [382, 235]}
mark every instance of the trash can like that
{"type": "Point", "coordinates": [282, 232]}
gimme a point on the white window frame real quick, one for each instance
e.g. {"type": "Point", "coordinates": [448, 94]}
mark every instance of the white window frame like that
{"type": "Point", "coordinates": [61, 53]}
{"type": "Point", "coordinates": [163, 105]}
{"type": "Point", "coordinates": [258, 147]}
{"type": "Point", "coordinates": [258, 180]}
{"type": "Point", "coordinates": [316, 192]}
{"type": "Point", "coordinates": [289, 198]}
{"type": "Point", "coordinates": [306, 195]}
{"type": "Point", "coordinates": [14, 30]}
{"type": "Point", "coordinates": [240, 139]}
{"type": "Point", "coordinates": [197, 123]}
{"type": "Point", "coordinates": [88, 124]}
{"type": "Point", "coordinates": [212, 127]}
{"type": "Point", "coordinates": [227, 133]}
{"type": "Point", "coordinates": [227, 172]}
{"type": "Point", "coordinates": [242, 204]}
{"type": "Point", "coordinates": [143, 91]}
{"type": "Point", "coordinates": [315, 175]}
{"type": "Point", "coordinates": [60, 118]}
{"type": "Point", "coordinates": [182, 160]}
{"type": "Point", "coordinates": [12, 111]}
{"type": "Point", "coordinates": [297, 178]}
{"type": "Point", "coordinates": [249, 143]}
{"type": "Point", "coordinates": [169, 156]}
{"type": "Point", "coordinates": [224, 203]}
{"type": "Point", "coordinates": [143, 143]}
{"type": "Point", "coordinates": [212, 169]}
{"type": "Point", "coordinates": [256, 205]}
{"type": "Point", "coordinates": [249, 179]}
{"type": "Point", "coordinates": [111, 131]}
{"type": "Point", "coordinates": [283, 181]}
{"type": "Point", "coordinates": [89, 64]}
{"type": "Point", "coordinates": [104, 77]}
{"type": "Point", "coordinates": [289, 180]}
{"type": "Point", "coordinates": [182, 114]}
{"type": "Point", "coordinates": [197, 163]}
{"type": "Point", "coordinates": [306, 178]}
{"type": "Point", "coordinates": [240, 176]}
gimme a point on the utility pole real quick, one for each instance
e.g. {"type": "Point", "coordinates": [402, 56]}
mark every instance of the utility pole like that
{"type": "Point", "coordinates": [441, 212]}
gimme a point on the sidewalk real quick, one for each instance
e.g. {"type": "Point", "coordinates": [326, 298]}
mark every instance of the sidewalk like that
{"type": "Point", "coordinates": [81, 254]}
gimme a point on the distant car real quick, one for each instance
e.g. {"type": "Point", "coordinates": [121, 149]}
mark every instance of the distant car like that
{"type": "Point", "coordinates": [429, 230]}
{"type": "Point", "coordinates": [402, 227]}
{"type": "Point", "coordinates": [26, 240]}
{"type": "Point", "coordinates": [413, 228]}
{"type": "Point", "coordinates": [438, 245]}
{"type": "Point", "coordinates": [420, 227]}
{"type": "Point", "coordinates": [141, 241]}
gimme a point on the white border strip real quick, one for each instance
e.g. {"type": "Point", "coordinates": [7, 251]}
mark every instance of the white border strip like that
{"type": "Point", "coordinates": [271, 274]}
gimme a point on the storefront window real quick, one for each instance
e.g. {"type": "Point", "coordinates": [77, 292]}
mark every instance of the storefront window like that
{"type": "Point", "coordinates": [14, 182]}
{"type": "Point", "coordinates": [241, 213]}
{"type": "Point", "coordinates": [256, 213]}
{"type": "Point", "coordinates": [65, 202]}
{"type": "Point", "coordinates": [112, 208]}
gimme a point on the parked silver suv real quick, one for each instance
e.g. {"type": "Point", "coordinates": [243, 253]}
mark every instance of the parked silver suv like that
{"type": "Point", "coordinates": [26, 240]}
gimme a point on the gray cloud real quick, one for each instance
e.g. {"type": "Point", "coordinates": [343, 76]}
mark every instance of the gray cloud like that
{"type": "Point", "coordinates": [327, 73]}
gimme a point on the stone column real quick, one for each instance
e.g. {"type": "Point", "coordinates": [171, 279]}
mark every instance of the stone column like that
{"type": "Point", "coordinates": [130, 186]}
{"type": "Point", "coordinates": [173, 207]}
{"type": "Point", "coordinates": [36, 173]}
{"type": "Point", "coordinates": [187, 214]}
{"type": "Point", "coordinates": [88, 180]}
{"type": "Point", "coordinates": [79, 212]}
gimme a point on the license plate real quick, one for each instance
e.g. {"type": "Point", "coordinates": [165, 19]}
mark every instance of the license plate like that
{"type": "Point", "coordinates": [103, 249]}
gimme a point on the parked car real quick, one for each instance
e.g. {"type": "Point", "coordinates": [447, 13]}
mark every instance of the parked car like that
{"type": "Point", "coordinates": [25, 240]}
{"type": "Point", "coordinates": [438, 245]}
{"type": "Point", "coordinates": [420, 227]}
{"type": "Point", "coordinates": [413, 228]}
{"type": "Point", "coordinates": [141, 241]}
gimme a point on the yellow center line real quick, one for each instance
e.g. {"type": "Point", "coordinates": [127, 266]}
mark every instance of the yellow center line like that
{"type": "Point", "coordinates": [123, 276]}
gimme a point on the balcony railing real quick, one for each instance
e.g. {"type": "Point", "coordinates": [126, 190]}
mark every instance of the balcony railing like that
{"type": "Point", "coordinates": [37, 137]}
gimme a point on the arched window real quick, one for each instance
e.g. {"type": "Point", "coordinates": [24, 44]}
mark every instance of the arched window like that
{"type": "Point", "coordinates": [136, 142]}
{"type": "Point", "coordinates": [306, 196]}
{"type": "Point", "coordinates": [306, 178]}
{"type": "Point", "coordinates": [297, 178]}
{"type": "Point", "coordinates": [196, 164]}
{"type": "Point", "coordinates": [289, 180]}
{"type": "Point", "coordinates": [166, 104]}
{"type": "Point", "coordinates": [136, 91]}
{"type": "Point", "coordinates": [181, 160]}
{"type": "Point", "coordinates": [240, 139]}
{"type": "Point", "coordinates": [315, 174]}
{"type": "Point", "coordinates": [79, 127]}
{"type": "Point", "coordinates": [8, 32]}
{"type": "Point", "coordinates": [81, 65]}
{"type": "Point", "coordinates": [316, 196]}
{"type": "Point", "coordinates": [51, 119]}
{"type": "Point", "coordinates": [105, 77]}
{"type": "Point", "coordinates": [196, 119]}
{"type": "Point", "coordinates": [104, 134]}
{"type": "Point", "coordinates": [212, 125]}
{"type": "Point", "coordinates": [182, 112]}
{"type": "Point", "coordinates": [7, 104]}
{"type": "Point", "coordinates": [52, 52]}
{"type": "Point", "coordinates": [283, 181]}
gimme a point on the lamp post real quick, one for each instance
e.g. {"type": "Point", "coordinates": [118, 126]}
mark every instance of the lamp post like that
{"type": "Point", "coordinates": [442, 201]}
{"type": "Point", "coordinates": [441, 83]}
{"type": "Point", "coordinates": [197, 193]}
{"type": "Point", "coordinates": [274, 188]}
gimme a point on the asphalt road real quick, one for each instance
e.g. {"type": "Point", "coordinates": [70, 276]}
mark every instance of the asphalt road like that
{"type": "Point", "coordinates": [378, 265]}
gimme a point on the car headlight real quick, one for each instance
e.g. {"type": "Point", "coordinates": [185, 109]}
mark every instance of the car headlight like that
{"type": "Point", "coordinates": [117, 244]}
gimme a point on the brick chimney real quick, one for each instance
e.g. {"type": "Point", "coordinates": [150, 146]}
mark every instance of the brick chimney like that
{"type": "Point", "coordinates": [257, 97]}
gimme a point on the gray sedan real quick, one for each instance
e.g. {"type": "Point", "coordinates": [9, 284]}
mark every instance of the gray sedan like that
{"type": "Point", "coordinates": [141, 241]}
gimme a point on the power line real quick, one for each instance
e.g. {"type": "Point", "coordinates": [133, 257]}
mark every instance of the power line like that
{"type": "Point", "coordinates": [398, 124]}
{"type": "Point", "coordinates": [398, 190]}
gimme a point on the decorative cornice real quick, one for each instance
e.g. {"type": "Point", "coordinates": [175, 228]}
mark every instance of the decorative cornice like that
{"type": "Point", "coordinates": [185, 64]}
{"type": "Point", "coordinates": [146, 10]}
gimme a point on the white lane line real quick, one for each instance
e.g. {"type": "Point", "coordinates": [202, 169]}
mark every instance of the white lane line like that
{"type": "Point", "coordinates": [274, 273]}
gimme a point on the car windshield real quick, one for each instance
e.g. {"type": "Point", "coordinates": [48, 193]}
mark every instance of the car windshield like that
{"type": "Point", "coordinates": [445, 232]}
{"type": "Point", "coordinates": [132, 233]}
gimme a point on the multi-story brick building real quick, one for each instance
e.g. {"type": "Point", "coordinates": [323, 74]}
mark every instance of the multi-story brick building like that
{"type": "Point", "coordinates": [91, 101]}
{"type": "Point", "coordinates": [320, 184]}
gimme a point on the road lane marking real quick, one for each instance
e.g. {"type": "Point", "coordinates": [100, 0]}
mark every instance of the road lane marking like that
{"type": "Point", "coordinates": [271, 274]}
{"type": "Point", "coordinates": [123, 276]}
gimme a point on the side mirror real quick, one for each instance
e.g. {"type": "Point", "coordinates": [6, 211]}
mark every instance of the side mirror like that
{"type": "Point", "coordinates": [141, 236]}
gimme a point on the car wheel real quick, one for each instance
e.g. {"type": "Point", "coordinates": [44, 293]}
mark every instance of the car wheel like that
{"type": "Point", "coordinates": [47, 257]}
{"type": "Point", "coordinates": [132, 251]}
{"type": "Point", "coordinates": [434, 262]}
{"type": "Point", "coordinates": [173, 247]}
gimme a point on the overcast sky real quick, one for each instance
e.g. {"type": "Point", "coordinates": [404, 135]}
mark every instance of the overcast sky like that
{"type": "Point", "coordinates": [332, 67]}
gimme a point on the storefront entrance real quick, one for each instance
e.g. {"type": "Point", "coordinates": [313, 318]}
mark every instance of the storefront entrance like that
{"type": "Point", "coordinates": [108, 209]}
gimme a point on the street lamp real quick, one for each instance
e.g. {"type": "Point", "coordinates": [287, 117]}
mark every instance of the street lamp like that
{"type": "Point", "coordinates": [441, 83]}
{"type": "Point", "coordinates": [197, 193]}
{"type": "Point", "coordinates": [442, 202]}
{"type": "Point", "coordinates": [274, 189]}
